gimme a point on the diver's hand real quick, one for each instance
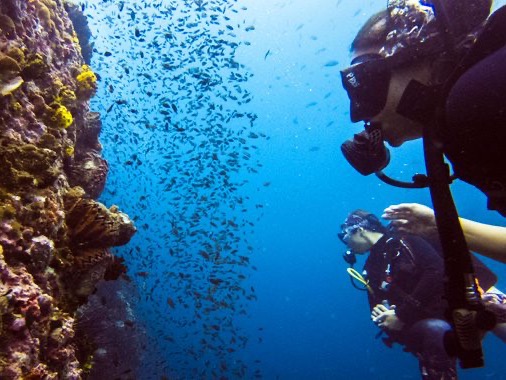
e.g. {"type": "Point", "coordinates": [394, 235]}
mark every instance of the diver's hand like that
{"type": "Point", "coordinates": [413, 218]}
{"type": "Point", "coordinates": [378, 310]}
{"type": "Point", "coordinates": [385, 318]}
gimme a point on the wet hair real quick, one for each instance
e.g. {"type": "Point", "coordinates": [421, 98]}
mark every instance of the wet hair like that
{"type": "Point", "coordinates": [365, 220]}
{"type": "Point", "coordinates": [465, 16]}
{"type": "Point", "coordinates": [373, 33]}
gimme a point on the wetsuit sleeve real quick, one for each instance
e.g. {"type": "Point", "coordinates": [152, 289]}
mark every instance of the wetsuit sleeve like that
{"type": "Point", "coordinates": [424, 298]}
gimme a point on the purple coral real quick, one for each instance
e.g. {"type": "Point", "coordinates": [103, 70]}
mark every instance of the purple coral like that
{"type": "Point", "coordinates": [18, 324]}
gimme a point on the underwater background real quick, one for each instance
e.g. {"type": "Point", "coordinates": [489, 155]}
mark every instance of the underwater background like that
{"type": "Point", "coordinates": [222, 122]}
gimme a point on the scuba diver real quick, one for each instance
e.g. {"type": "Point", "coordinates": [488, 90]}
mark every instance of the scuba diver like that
{"type": "Point", "coordinates": [404, 278]}
{"type": "Point", "coordinates": [413, 65]}
{"type": "Point", "coordinates": [484, 239]}
{"type": "Point", "coordinates": [434, 69]}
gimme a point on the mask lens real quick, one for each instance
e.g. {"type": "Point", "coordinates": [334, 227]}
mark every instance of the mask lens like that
{"type": "Point", "coordinates": [366, 83]}
{"type": "Point", "coordinates": [347, 232]}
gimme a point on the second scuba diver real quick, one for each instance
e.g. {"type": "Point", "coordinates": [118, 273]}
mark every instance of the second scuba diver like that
{"type": "Point", "coordinates": [404, 277]}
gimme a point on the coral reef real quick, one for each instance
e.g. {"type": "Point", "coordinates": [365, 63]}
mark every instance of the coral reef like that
{"type": "Point", "coordinates": [90, 172]}
{"type": "Point", "coordinates": [54, 237]}
{"type": "Point", "coordinates": [92, 225]}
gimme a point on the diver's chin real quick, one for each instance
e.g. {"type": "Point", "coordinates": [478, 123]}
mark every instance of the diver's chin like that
{"type": "Point", "coordinates": [359, 249]}
{"type": "Point", "coordinates": [394, 143]}
{"type": "Point", "coordinates": [397, 141]}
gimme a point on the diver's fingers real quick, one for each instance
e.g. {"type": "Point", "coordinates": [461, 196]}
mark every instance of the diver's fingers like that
{"type": "Point", "coordinates": [400, 222]}
{"type": "Point", "coordinates": [388, 214]}
{"type": "Point", "coordinates": [396, 215]}
{"type": "Point", "coordinates": [381, 317]}
{"type": "Point", "coordinates": [408, 207]}
{"type": "Point", "coordinates": [378, 309]}
{"type": "Point", "coordinates": [375, 314]}
{"type": "Point", "coordinates": [401, 207]}
{"type": "Point", "coordinates": [401, 225]}
{"type": "Point", "coordinates": [401, 210]}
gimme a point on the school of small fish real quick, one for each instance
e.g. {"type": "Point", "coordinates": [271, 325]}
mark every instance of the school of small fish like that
{"type": "Point", "coordinates": [181, 143]}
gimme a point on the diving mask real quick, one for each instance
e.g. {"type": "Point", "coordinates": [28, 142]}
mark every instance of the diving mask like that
{"type": "Point", "coordinates": [356, 221]}
{"type": "Point", "coordinates": [347, 232]}
{"type": "Point", "coordinates": [366, 81]}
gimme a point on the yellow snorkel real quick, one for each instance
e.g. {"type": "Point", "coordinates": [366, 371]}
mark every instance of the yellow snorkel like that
{"type": "Point", "coordinates": [357, 276]}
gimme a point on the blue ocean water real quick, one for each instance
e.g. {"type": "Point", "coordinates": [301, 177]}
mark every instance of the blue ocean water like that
{"type": "Point", "coordinates": [222, 122]}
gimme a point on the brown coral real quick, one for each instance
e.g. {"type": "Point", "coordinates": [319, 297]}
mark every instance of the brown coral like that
{"type": "Point", "coordinates": [92, 225]}
{"type": "Point", "coordinates": [27, 165]}
{"type": "Point", "coordinates": [85, 259]}
{"type": "Point", "coordinates": [87, 136]}
{"type": "Point", "coordinates": [35, 68]}
{"type": "Point", "coordinates": [9, 75]}
{"type": "Point", "coordinates": [7, 26]}
{"type": "Point", "coordinates": [8, 67]}
{"type": "Point", "coordinates": [89, 172]}
{"type": "Point", "coordinates": [43, 214]}
{"type": "Point", "coordinates": [90, 265]}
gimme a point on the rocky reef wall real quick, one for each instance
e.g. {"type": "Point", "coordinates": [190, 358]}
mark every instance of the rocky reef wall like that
{"type": "Point", "coordinates": [54, 235]}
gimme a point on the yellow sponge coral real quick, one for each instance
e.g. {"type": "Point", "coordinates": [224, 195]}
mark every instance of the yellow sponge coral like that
{"type": "Point", "coordinates": [66, 97]}
{"type": "Point", "coordinates": [62, 117]}
{"type": "Point", "coordinates": [86, 75]}
{"type": "Point", "coordinates": [86, 82]}
{"type": "Point", "coordinates": [69, 151]}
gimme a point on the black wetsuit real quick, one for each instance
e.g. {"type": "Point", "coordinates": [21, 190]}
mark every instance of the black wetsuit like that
{"type": "Point", "coordinates": [474, 125]}
{"type": "Point", "coordinates": [406, 271]}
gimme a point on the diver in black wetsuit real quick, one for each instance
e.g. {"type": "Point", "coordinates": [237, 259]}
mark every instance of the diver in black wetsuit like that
{"type": "Point", "coordinates": [408, 72]}
{"type": "Point", "coordinates": [404, 276]}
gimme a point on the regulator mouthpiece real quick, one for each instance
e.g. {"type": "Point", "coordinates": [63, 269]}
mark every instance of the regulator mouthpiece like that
{"type": "Point", "coordinates": [367, 152]}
